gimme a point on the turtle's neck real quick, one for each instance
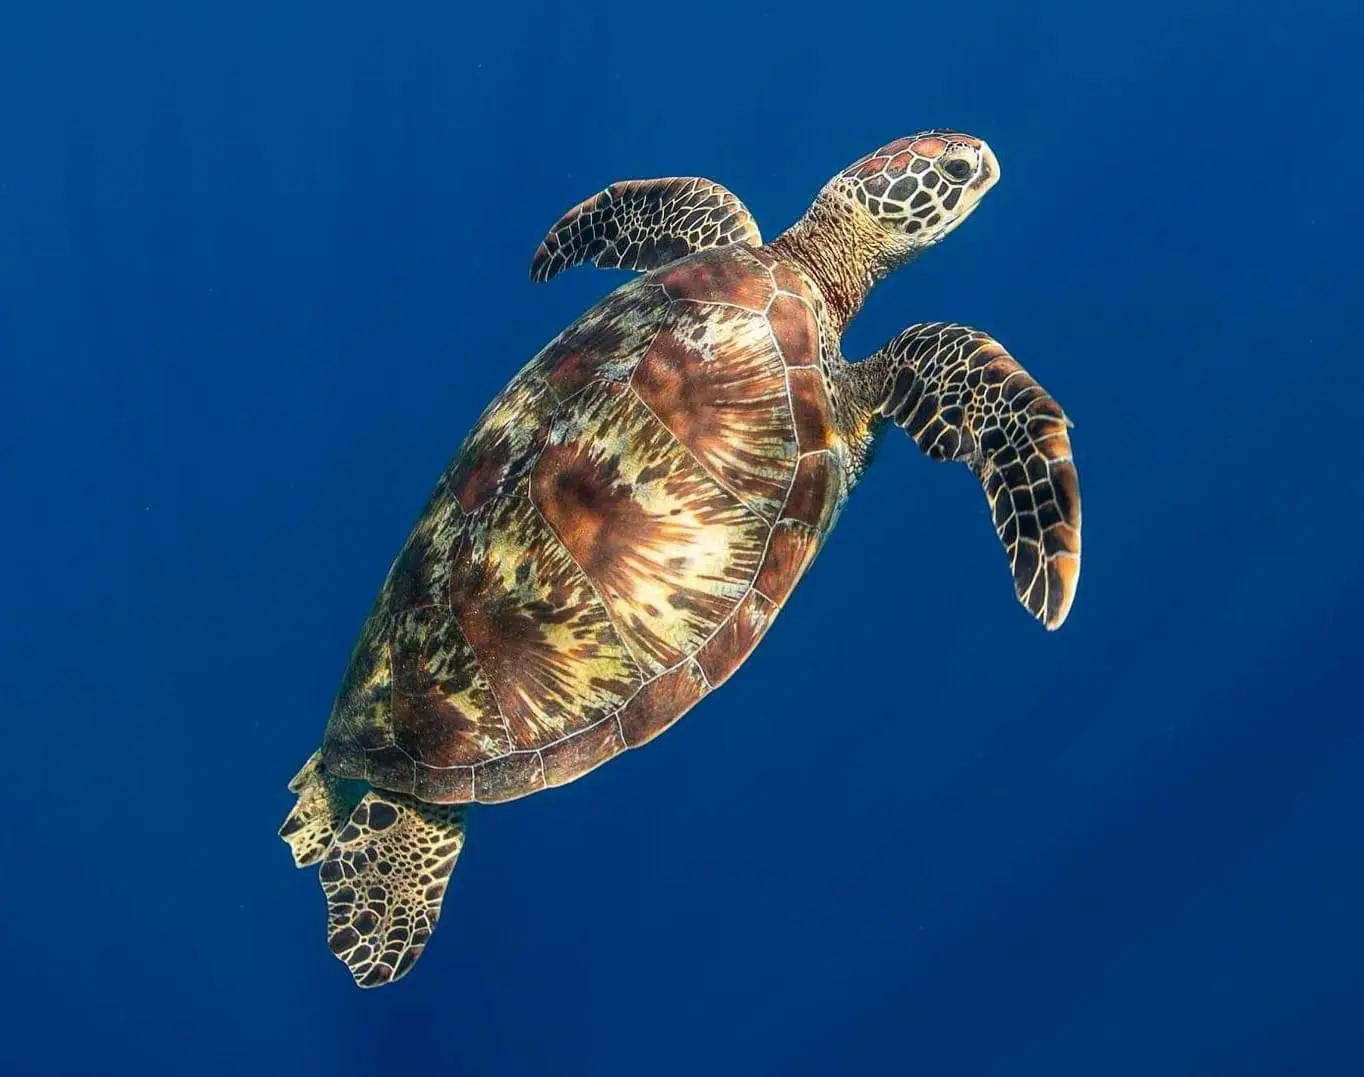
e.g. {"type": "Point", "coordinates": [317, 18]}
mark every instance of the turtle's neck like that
{"type": "Point", "coordinates": [842, 250]}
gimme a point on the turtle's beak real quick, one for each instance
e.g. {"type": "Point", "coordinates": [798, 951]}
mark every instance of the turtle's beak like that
{"type": "Point", "coordinates": [989, 170]}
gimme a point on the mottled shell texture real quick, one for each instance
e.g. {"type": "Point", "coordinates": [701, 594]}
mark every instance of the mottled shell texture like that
{"type": "Point", "coordinates": [612, 540]}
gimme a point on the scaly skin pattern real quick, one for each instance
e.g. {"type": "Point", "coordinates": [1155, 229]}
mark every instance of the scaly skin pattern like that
{"type": "Point", "coordinates": [884, 210]}
{"type": "Point", "coordinates": [619, 530]}
{"type": "Point", "coordinates": [961, 396]}
{"type": "Point", "coordinates": [644, 224]}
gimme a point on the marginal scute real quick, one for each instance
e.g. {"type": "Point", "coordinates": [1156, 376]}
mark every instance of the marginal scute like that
{"type": "Point", "coordinates": [810, 409]}
{"type": "Point", "coordinates": [736, 638]}
{"type": "Point", "coordinates": [391, 768]}
{"type": "Point", "coordinates": [444, 785]}
{"type": "Point", "coordinates": [789, 281]}
{"type": "Point", "coordinates": [661, 702]}
{"type": "Point", "coordinates": [789, 552]}
{"type": "Point", "coordinates": [574, 756]}
{"type": "Point", "coordinates": [509, 777]}
{"type": "Point", "coordinates": [815, 491]}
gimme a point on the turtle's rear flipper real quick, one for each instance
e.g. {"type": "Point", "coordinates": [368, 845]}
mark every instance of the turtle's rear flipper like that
{"type": "Point", "coordinates": [961, 396]}
{"type": "Point", "coordinates": [385, 876]}
{"type": "Point", "coordinates": [644, 224]}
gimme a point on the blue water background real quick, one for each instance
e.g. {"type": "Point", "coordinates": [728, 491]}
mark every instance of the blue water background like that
{"type": "Point", "coordinates": [263, 263]}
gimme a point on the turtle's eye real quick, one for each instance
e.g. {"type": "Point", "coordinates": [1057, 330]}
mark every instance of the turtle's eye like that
{"type": "Point", "coordinates": [958, 168]}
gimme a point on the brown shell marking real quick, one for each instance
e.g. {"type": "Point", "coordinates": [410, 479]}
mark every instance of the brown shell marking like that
{"type": "Point", "coordinates": [789, 552]}
{"type": "Point", "coordinates": [810, 409]}
{"type": "Point", "coordinates": [575, 755]}
{"type": "Point", "coordinates": [728, 648]}
{"type": "Point", "coordinates": [420, 574]}
{"type": "Point", "coordinates": [537, 626]}
{"type": "Point", "coordinates": [729, 412]}
{"type": "Point", "coordinates": [815, 491]}
{"type": "Point", "coordinates": [605, 343]}
{"type": "Point", "coordinates": [504, 442]}
{"type": "Point", "coordinates": [444, 711]}
{"type": "Point", "coordinates": [669, 550]}
{"type": "Point", "coordinates": [795, 330]}
{"type": "Point", "coordinates": [729, 275]}
{"type": "Point", "coordinates": [662, 702]}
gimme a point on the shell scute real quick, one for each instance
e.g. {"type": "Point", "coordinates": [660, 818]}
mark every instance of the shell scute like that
{"type": "Point", "coordinates": [508, 777]}
{"type": "Point", "coordinates": [605, 343]}
{"type": "Point", "coordinates": [390, 768]}
{"type": "Point", "coordinates": [669, 550]}
{"type": "Point", "coordinates": [575, 755]}
{"type": "Point", "coordinates": [737, 637]}
{"type": "Point", "coordinates": [444, 785]}
{"type": "Point", "coordinates": [715, 380]}
{"type": "Point", "coordinates": [723, 275]}
{"type": "Point", "coordinates": [810, 409]}
{"type": "Point", "coordinates": [790, 282]}
{"type": "Point", "coordinates": [420, 574]}
{"type": "Point", "coordinates": [444, 712]}
{"type": "Point", "coordinates": [536, 626]}
{"type": "Point", "coordinates": [795, 330]}
{"type": "Point", "coordinates": [504, 443]}
{"type": "Point", "coordinates": [815, 492]}
{"type": "Point", "coordinates": [661, 702]}
{"type": "Point", "coordinates": [789, 553]}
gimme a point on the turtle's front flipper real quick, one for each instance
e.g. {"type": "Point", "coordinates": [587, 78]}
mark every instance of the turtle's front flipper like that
{"type": "Point", "coordinates": [644, 224]}
{"type": "Point", "coordinates": [961, 396]}
{"type": "Point", "coordinates": [385, 876]}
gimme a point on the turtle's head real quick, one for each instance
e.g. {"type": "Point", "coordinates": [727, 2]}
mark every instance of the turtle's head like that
{"type": "Point", "coordinates": [880, 212]}
{"type": "Point", "coordinates": [918, 189]}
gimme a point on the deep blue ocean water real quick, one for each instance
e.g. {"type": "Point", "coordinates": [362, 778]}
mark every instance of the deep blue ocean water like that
{"type": "Point", "coordinates": [263, 264]}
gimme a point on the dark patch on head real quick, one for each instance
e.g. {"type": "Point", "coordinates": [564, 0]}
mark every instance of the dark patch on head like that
{"type": "Point", "coordinates": [903, 188]}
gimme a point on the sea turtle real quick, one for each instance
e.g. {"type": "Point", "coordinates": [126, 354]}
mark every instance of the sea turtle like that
{"type": "Point", "coordinates": [629, 515]}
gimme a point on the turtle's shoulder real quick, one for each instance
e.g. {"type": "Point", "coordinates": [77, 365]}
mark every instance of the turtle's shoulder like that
{"type": "Point", "coordinates": [737, 275]}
